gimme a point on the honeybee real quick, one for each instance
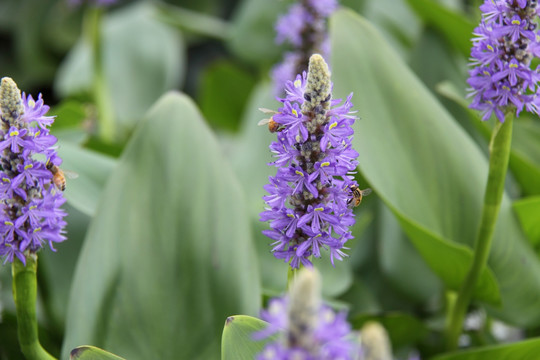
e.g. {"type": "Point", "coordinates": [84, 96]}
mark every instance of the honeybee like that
{"type": "Point", "coordinates": [272, 125]}
{"type": "Point", "coordinates": [357, 195]}
{"type": "Point", "coordinates": [59, 176]}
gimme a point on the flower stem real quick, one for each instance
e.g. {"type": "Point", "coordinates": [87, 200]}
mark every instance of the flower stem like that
{"type": "Point", "coordinates": [24, 295]}
{"type": "Point", "coordinates": [501, 140]}
{"type": "Point", "coordinates": [101, 93]}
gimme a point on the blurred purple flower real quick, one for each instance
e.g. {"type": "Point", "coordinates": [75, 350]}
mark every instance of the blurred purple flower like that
{"type": "Point", "coordinates": [30, 214]}
{"type": "Point", "coordinates": [315, 160]}
{"type": "Point", "coordinates": [506, 41]}
{"type": "Point", "coordinates": [304, 27]}
{"type": "Point", "coordinates": [306, 328]}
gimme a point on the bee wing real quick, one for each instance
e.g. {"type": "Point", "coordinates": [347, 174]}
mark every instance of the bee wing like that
{"type": "Point", "coordinates": [263, 122]}
{"type": "Point", "coordinates": [267, 111]}
{"type": "Point", "coordinates": [366, 192]}
{"type": "Point", "coordinates": [70, 174]}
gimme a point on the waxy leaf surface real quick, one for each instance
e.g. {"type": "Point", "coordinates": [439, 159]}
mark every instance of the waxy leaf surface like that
{"type": "Point", "coordinates": [168, 256]}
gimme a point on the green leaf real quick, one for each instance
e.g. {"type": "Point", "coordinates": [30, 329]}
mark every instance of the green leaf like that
{"type": "Point", "coordinates": [168, 256]}
{"type": "Point", "coordinates": [142, 59]}
{"type": "Point", "coordinates": [194, 22]}
{"type": "Point", "coordinates": [401, 263]}
{"type": "Point", "coordinates": [525, 152]}
{"type": "Point", "coordinates": [428, 171]}
{"type": "Point", "coordinates": [92, 353]}
{"type": "Point", "coordinates": [528, 349]}
{"type": "Point", "coordinates": [222, 78]}
{"type": "Point", "coordinates": [456, 28]}
{"type": "Point", "coordinates": [528, 211]}
{"type": "Point", "coordinates": [93, 170]}
{"type": "Point", "coordinates": [252, 36]}
{"type": "Point", "coordinates": [237, 341]}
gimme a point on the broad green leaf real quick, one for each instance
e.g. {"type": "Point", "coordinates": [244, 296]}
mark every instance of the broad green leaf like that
{"type": "Point", "coordinates": [456, 28]}
{"type": "Point", "coordinates": [237, 341]}
{"type": "Point", "coordinates": [401, 263]}
{"type": "Point", "coordinates": [252, 33]}
{"type": "Point", "coordinates": [528, 211]}
{"type": "Point", "coordinates": [428, 171]}
{"type": "Point", "coordinates": [93, 170]}
{"type": "Point", "coordinates": [194, 22]}
{"type": "Point", "coordinates": [528, 349]}
{"type": "Point", "coordinates": [223, 93]}
{"type": "Point", "coordinates": [168, 256]}
{"type": "Point", "coordinates": [91, 353]}
{"type": "Point", "coordinates": [525, 152]}
{"type": "Point", "coordinates": [142, 59]}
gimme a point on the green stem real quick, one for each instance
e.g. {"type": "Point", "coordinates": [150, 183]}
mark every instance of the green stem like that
{"type": "Point", "coordinates": [501, 141]}
{"type": "Point", "coordinates": [101, 93]}
{"type": "Point", "coordinates": [24, 295]}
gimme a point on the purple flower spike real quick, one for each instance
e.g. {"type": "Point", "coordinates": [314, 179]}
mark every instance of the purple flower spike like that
{"type": "Point", "coordinates": [30, 213]}
{"type": "Point", "coordinates": [304, 27]}
{"type": "Point", "coordinates": [306, 328]}
{"type": "Point", "coordinates": [506, 41]}
{"type": "Point", "coordinates": [309, 199]}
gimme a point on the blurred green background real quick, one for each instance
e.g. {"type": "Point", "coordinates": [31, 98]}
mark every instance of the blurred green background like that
{"type": "Point", "coordinates": [164, 240]}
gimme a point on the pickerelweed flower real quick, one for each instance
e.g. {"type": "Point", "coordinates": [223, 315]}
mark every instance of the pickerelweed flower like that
{"type": "Point", "coordinates": [306, 328]}
{"type": "Point", "coordinates": [506, 41]}
{"type": "Point", "coordinates": [30, 213]}
{"type": "Point", "coordinates": [308, 202]}
{"type": "Point", "coordinates": [304, 27]}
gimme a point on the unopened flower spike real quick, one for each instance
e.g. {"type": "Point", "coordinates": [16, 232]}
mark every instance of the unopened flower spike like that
{"type": "Point", "coordinates": [306, 328]}
{"type": "Point", "coordinates": [507, 39]}
{"type": "Point", "coordinates": [304, 28]}
{"type": "Point", "coordinates": [30, 213]}
{"type": "Point", "coordinates": [310, 199]}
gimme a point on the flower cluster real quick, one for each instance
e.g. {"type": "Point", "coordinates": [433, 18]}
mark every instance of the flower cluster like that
{"type": "Point", "coordinates": [304, 27]}
{"type": "Point", "coordinates": [315, 161]}
{"type": "Point", "coordinates": [306, 328]}
{"type": "Point", "coordinates": [30, 213]}
{"type": "Point", "coordinates": [506, 41]}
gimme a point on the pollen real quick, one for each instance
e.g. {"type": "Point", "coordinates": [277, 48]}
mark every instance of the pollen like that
{"type": "Point", "coordinates": [9, 223]}
{"type": "Point", "coordinates": [319, 209]}
{"type": "Point", "coordinates": [326, 163]}
{"type": "Point", "coordinates": [333, 125]}
{"type": "Point", "coordinates": [490, 48]}
{"type": "Point", "coordinates": [14, 133]}
{"type": "Point", "coordinates": [29, 166]}
{"type": "Point", "coordinates": [516, 22]}
{"type": "Point", "coordinates": [299, 173]}
{"type": "Point", "coordinates": [513, 66]}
